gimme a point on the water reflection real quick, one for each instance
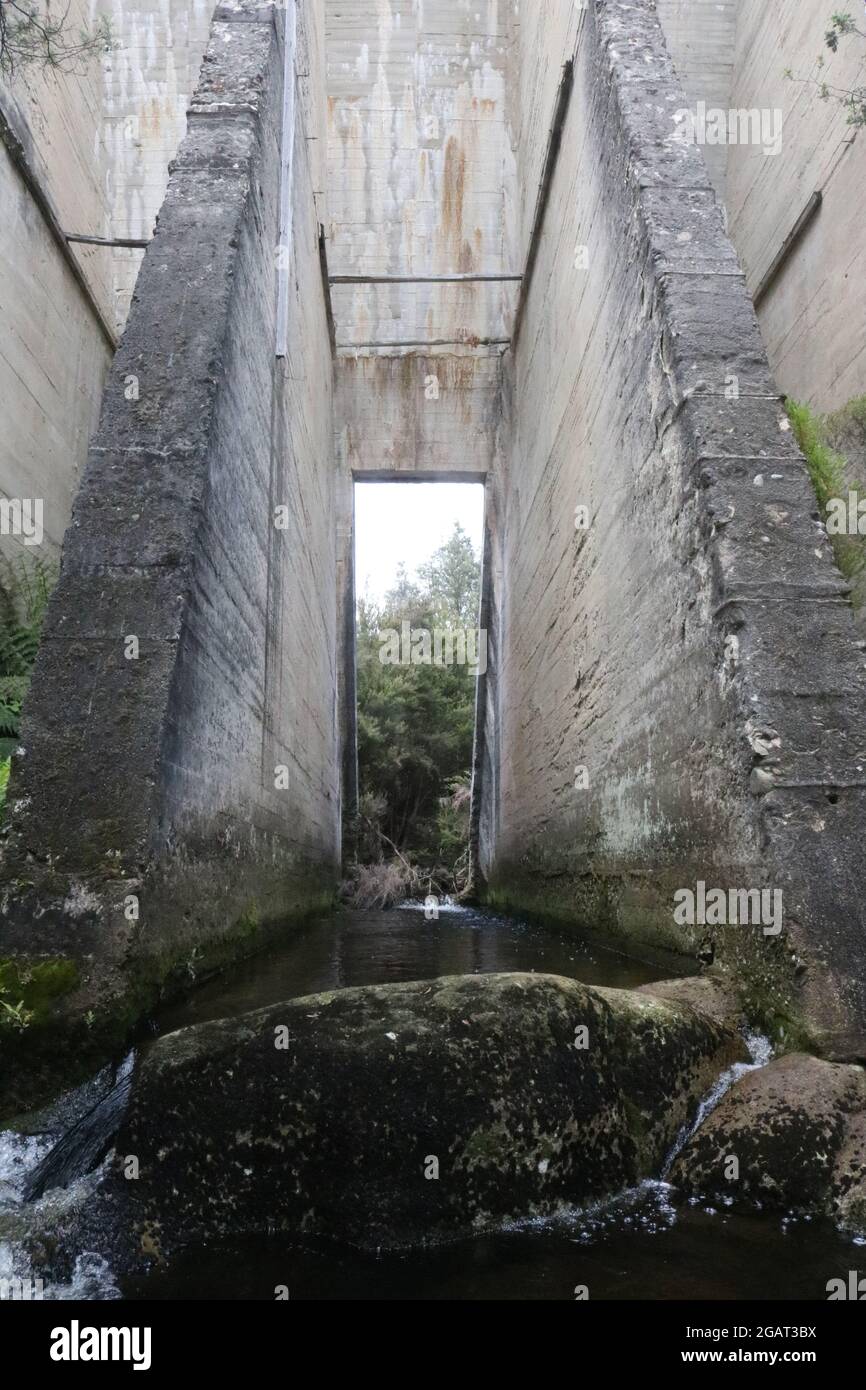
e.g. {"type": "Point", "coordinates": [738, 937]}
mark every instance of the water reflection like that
{"type": "Point", "coordinates": [366, 948]}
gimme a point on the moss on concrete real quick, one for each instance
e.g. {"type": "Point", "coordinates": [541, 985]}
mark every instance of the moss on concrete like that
{"type": "Point", "coordinates": [830, 448]}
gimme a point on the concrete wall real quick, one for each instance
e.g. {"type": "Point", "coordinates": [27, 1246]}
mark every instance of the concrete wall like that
{"type": "Point", "coordinates": [812, 317]}
{"type": "Point", "coordinates": [53, 360]}
{"type": "Point", "coordinates": [735, 53]}
{"type": "Point", "coordinates": [701, 38]}
{"type": "Point", "coordinates": [148, 80]}
{"type": "Point", "coordinates": [55, 338]}
{"type": "Point", "coordinates": [436, 414]}
{"type": "Point", "coordinates": [418, 164]}
{"type": "Point", "coordinates": [691, 648]}
{"type": "Point", "coordinates": [96, 140]}
{"type": "Point", "coordinates": [174, 759]}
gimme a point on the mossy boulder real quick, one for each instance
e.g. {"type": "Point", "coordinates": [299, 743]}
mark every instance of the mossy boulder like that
{"type": "Point", "coordinates": [797, 1130]}
{"type": "Point", "coordinates": [392, 1115]}
{"type": "Point", "coordinates": [713, 996]}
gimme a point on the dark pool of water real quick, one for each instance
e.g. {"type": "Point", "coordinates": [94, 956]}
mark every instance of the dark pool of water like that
{"type": "Point", "coordinates": [642, 1249]}
{"type": "Point", "coordinates": [371, 948]}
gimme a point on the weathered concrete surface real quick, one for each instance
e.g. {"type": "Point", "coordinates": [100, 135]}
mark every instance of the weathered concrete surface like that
{"type": "Point", "coordinates": [797, 1129]}
{"type": "Point", "coordinates": [177, 791]}
{"type": "Point", "coordinates": [322, 1115]}
{"type": "Point", "coordinates": [53, 361]}
{"type": "Point", "coordinates": [418, 164]}
{"type": "Point", "coordinates": [98, 136]}
{"type": "Point", "coordinates": [812, 317]}
{"type": "Point", "coordinates": [692, 648]}
{"type": "Point", "coordinates": [427, 414]}
{"type": "Point", "coordinates": [701, 37]}
{"type": "Point", "coordinates": [734, 55]}
{"type": "Point", "coordinates": [148, 80]}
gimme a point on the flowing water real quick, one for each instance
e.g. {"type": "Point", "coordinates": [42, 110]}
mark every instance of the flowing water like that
{"type": "Point", "coordinates": [642, 1244]}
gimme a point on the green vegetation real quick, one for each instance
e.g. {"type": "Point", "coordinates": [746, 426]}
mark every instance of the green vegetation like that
{"type": "Point", "coordinates": [415, 735]}
{"type": "Point", "coordinates": [25, 588]}
{"type": "Point", "coordinates": [852, 99]}
{"type": "Point", "coordinates": [31, 36]}
{"type": "Point", "coordinates": [27, 989]}
{"type": "Point", "coordinates": [833, 473]}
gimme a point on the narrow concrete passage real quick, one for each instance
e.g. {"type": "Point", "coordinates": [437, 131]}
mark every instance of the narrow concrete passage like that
{"type": "Point", "coordinates": [518, 275]}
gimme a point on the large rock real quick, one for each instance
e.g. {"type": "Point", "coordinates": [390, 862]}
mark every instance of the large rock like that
{"type": "Point", "coordinates": [711, 995]}
{"type": "Point", "coordinates": [397, 1114]}
{"type": "Point", "coordinates": [797, 1130]}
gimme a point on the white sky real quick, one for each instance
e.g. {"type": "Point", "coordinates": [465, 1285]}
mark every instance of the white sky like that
{"type": "Point", "coordinates": [406, 522]}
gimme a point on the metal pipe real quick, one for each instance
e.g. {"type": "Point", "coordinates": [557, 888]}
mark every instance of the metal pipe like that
{"type": "Point", "coordinates": [429, 343]}
{"type": "Point", "coordinates": [421, 279]}
{"type": "Point", "coordinates": [799, 227]}
{"type": "Point", "coordinates": [133, 243]}
{"type": "Point", "coordinates": [554, 143]}
{"type": "Point", "coordinates": [287, 160]}
{"type": "Point", "coordinates": [17, 151]}
{"type": "Point", "coordinates": [326, 287]}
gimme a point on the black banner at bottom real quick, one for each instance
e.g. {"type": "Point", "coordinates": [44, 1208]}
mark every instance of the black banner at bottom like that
{"type": "Point", "coordinates": [146, 1338]}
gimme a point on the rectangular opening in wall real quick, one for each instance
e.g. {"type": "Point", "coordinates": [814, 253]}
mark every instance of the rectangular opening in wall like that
{"type": "Point", "coordinates": [419, 653]}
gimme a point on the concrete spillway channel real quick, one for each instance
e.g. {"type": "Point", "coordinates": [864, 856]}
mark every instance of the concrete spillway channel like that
{"type": "Point", "coordinates": [519, 276]}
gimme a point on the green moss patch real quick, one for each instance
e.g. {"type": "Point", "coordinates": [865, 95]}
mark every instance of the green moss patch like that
{"type": "Point", "coordinates": [28, 988]}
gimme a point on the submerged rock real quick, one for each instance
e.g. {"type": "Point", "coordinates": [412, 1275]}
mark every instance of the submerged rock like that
{"type": "Point", "coordinates": [393, 1115]}
{"type": "Point", "coordinates": [790, 1137]}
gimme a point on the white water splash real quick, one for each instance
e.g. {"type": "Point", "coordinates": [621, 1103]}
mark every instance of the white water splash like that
{"type": "Point", "coordinates": [92, 1280]}
{"type": "Point", "coordinates": [446, 904]}
{"type": "Point", "coordinates": [648, 1207]}
{"type": "Point", "coordinates": [760, 1053]}
{"type": "Point", "coordinates": [20, 1154]}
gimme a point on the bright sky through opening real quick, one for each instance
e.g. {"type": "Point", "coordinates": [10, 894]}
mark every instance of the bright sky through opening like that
{"type": "Point", "coordinates": [404, 523]}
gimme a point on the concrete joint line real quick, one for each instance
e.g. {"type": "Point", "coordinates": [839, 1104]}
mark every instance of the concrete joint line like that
{"type": "Point", "coordinates": [809, 786]}
{"type": "Point", "coordinates": [703, 274]}
{"type": "Point", "coordinates": [695, 395]}
{"type": "Point", "coordinates": [831, 597]}
{"type": "Point", "coordinates": [749, 458]}
{"type": "Point", "coordinates": [224, 108]}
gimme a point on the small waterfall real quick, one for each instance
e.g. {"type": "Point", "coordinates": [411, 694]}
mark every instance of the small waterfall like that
{"type": "Point", "coordinates": [760, 1053]}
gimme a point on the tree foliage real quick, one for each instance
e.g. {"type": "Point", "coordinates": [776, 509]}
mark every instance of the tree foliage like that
{"type": "Point", "coordinates": [852, 99]}
{"type": "Point", "coordinates": [39, 35]}
{"type": "Point", "coordinates": [416, 722]}
{"type": "Point", "coordinates": [24, 592]}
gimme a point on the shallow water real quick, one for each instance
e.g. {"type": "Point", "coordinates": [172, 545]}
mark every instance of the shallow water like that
{"type": "Point", "coordinates": [641, 1245]}
{"type": "Point", "coordinates": [371, 948]}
